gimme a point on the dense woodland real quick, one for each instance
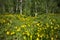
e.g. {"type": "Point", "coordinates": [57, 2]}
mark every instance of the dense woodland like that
{"type": "Point", "coordinates": [30, 7]}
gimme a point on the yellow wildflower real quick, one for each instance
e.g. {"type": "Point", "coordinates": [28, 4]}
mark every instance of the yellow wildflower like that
{"type": "Point", "coordinates": [28, 33]}
{"type": "Point", "coordinates": [30, 36]}
{"type": "Point", "coordinates": [40, 28]}
{"type": "Point", "coordinates": [24, 37]}
{"type": "Point", "coordinates": [52, 38]}
{"type": "Point", "coordinates": [12, 33]}
{"type": "Point", "coordinates": [8, 23]}
{"type": "Point", "coordinates": [38, 24]}
{"type": "Point", "coordinates": [37, 39]}
{"type": "Point", "coordinates": [56, 36]}
{"type": "Point", "coordinates": [24, 33]}
{"type": "Point", "coordinates": [47, 24]}
{"type": "Point", "coordinates": [51, 23]}
{"type": "Point", "coordinates": [51, 27]}
{"type": "Point", "coordinates": [7, 32]}
{"type": "Point", "coordinates": [41, 35]}
{"type": "Point", "coordinates": [29, 25]}
{"type": "Point", "coordinates": [23, 26]}
{"type": "Point", "coordinates": [18, 29]}
{"type": "Point", "coordinates": [38, 35]}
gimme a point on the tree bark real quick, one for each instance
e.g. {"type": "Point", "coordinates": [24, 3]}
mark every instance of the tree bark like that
{"type": "Point", "coordinates": [20, 7]}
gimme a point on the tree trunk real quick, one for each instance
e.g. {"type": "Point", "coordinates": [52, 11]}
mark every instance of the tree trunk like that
{"type": "Point", "coordinates": [17, 7]}
{"type": "Point", "coordinates": [46, 8]}
{"type": "Point", "coordinates": [3, 8]}
{"type": "Point", "coordinates": [35, 9]}
{"type": "Point", "coordinates": [20, 7]}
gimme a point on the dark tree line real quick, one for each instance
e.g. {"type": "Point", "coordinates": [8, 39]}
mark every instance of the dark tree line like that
{"type": "Point", "coordinates": [30, 7]}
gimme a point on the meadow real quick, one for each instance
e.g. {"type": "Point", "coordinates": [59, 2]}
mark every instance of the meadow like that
{"type": "Point", "coordinates": [22, 27]}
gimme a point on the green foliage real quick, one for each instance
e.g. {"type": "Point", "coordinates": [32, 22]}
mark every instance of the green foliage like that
{"type": "Point", "coordinates": [22, 27]}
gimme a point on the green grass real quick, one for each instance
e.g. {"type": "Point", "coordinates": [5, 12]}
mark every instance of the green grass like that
{"type": "Point", "coordinates": [22, 27]}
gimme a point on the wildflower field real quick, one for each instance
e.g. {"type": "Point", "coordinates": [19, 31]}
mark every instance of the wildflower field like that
{"type": "Point", "coordinates": [22, 27]}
